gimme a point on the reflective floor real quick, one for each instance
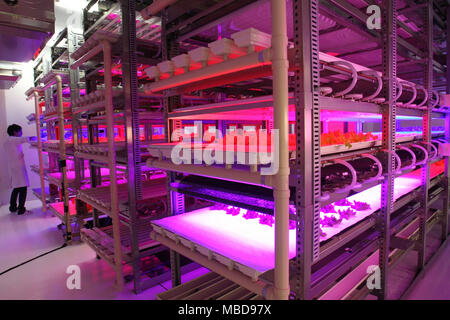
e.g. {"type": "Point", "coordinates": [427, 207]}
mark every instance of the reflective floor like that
{"type": "Point", "coordinates": [27, 236]}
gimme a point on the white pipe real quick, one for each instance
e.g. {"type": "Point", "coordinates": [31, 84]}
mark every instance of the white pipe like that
{"type": "Point", "coordinates": [424, 161]}
{"type": "Point", "coordinates": [379, 84]}
{"type": "Point", "coordinates": [379, 165]}
{"type": "Point", "coordinates": [222, 68]}
{"type": "Point", "coordinates": [63, 158]}
{"type": "Point", "coordinates": [436, 102]}
{"type": "Point", "coordinates": [281, 192]}
{"type": "Point", "coordinates": [413, 156]}
{"type": "Point", "coordinates": [112, 163]}
{"type": "Point", "coordinates": [413, 96]}
{"type": "Point", "coordinates": [354, 77]}
{"type": "Point", "coordinates": [425, 95]}
{"type": "Point", "coordinates": [39, 145]}
{"type": "Point", "coordinates": [155, 8]}
{"type": "Point", "coordinates": [209, 171]}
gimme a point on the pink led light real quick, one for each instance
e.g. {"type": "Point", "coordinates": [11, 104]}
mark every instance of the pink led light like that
{"type": "Point", "coordinates": [87, 173]}
{"type": "Point", "coordinates": [112, 16]}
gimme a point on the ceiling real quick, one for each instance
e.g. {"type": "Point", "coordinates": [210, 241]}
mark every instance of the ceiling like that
{"type": "Point", "coordinates": [24, 28]}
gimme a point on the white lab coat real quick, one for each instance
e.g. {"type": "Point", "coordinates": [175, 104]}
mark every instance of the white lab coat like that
{"type": "Point", "coordinates": [15, 161]}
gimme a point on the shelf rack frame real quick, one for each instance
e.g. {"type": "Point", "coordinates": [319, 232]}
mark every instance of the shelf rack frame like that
{"type": "Point", "coordinates": [57, 157]}
{"type": "Point", "coordinates": [389, 62]}
{"type": "Point", "coordinates": [388, 38]}
{"type": "Point", "coordinates": [307, 163]}
{"type": "Point", "coordinates": [446, 181]}
{"type": "Point", "coordinates": [170, 47]}
{"type": "Point", "coordinates": [124, 44]}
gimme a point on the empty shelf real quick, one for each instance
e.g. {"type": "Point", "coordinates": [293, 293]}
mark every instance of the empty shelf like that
{"type": "Point", "coordinates": [210, 286]}
{"type": "Point", "coordinates": [100, 198]}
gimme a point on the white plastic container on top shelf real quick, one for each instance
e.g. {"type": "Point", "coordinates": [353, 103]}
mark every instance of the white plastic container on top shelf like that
{"type": "Point", "coordinates": [184, 62]}
{"type": "Point", "coordinates": [226, 48]}
{"type": "Point", "coordinates": [204, 56]}
{"type": "Point", "coordinates": [166, 68]}
{"type": "Point", "coordinates": [252, 39]}
{"type": "Point", "coordinates": [153, 72]}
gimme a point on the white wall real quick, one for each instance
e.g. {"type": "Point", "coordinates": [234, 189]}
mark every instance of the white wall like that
{"type": "Point", "coordinates": [13, 109]}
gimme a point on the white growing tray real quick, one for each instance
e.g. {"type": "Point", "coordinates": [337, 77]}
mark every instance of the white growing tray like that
{"type": "Point", "coordinates": [247, 245]}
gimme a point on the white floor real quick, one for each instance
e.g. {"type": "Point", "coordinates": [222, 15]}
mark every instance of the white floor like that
{"type": "Point", "coordinates": [25, 237]}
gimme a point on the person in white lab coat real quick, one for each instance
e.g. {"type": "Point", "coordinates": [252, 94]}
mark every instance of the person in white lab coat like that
{"type": "Point", "coordinates": [18, 177]}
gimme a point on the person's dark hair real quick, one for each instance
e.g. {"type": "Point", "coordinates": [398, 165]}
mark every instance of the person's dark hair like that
{"type": "Point", "coordinates": [13, 129]}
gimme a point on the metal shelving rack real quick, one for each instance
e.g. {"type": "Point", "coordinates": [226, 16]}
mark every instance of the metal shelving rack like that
{"type": "Point", "coordinates": [386, 236]}
{"type": "Point", "coordinates": [52, 71]}
{"type": "Point", "coordinates": [127, 240]}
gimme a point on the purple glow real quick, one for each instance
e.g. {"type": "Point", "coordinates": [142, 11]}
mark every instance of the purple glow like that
{"type": "Point", "coordinates": [360, 206]}
{"type": "Point", "coordinates": [347, 213]}
{"type": "Point", "coordinates": [112, 16]}
{"type": "Point", "coordinates": [250, 243]}
{"type": "Point", "coordinates": [292, 225]}
{"type": "Point", "coordinates": [266, 219]}
{"type": "Point", "coordinates": [250, 215]}
{"type": "Point", "coordinates": [328, 208]}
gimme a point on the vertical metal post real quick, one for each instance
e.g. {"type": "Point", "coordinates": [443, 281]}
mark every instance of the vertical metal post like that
{"type": "Point", "coordinates": [446, 198]}
{"type": "Point", "coordinates": [112, 164]}
{"type": "Point", "coordinates": [177, 207]}
{"type": "Point", "coordinates": [91, 86]}
{"type": "Point", "coordinates": [281, 191]}
{"type": "Point", "coordinates": [170, 48]}
{"type": "Point", "coordinates": [389, 53]}
{"type": "Point", "coordinates": [307, 117]}
{"type": "Point", "coordinates": [132, 129]}
{"type": "Point", "coordinates": [63, 160]}
{"type": "Point", "coordinates": [428, 84]}
{"type": "Point", "coordinates": [73, 41]}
